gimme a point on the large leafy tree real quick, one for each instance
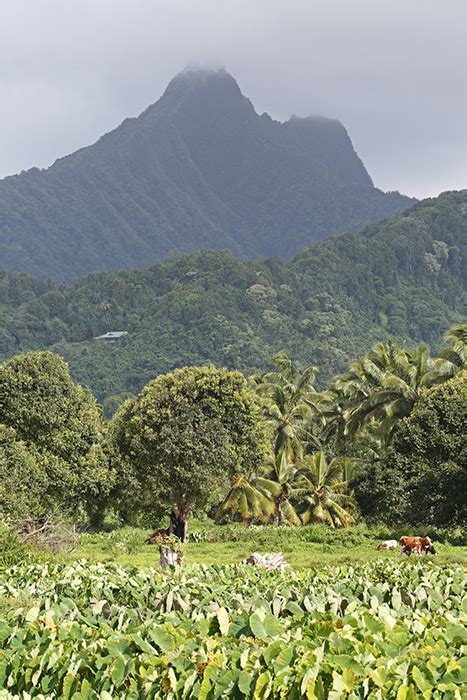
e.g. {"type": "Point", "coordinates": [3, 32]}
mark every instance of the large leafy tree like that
{"type": "Point", "coordinates": [187, 433]}
{"type": "Point", "coordinates": [58, 423]}
{"type": "Point", "coordinates": [423, 477]}
{"type": "Point", "coordinates": [39, 399]}
{"type": "Point", "coordinates": [323, 492]}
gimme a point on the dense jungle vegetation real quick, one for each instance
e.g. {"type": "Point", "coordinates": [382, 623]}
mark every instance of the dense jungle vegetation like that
{"type": "Point", "coordinates": [384, 441]}
{"type": "Point", "coordinates": [211, 505]}
{"type": "Point", "coordinates": [276, 463]}
{"type": "Point", "coordinates": [403, 277]}
{"type": "Point", "coordinates": [200, 169]}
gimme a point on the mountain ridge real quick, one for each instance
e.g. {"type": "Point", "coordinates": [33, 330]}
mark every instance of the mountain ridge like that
{"type": "Point", "coordinates": [197, 169]}
{"type": "Point", "coordinates": [403, 277]}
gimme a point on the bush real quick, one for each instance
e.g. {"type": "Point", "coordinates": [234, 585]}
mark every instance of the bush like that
{"type": "Point", "coordinates": [12, 549]}
{"type": "Point", "coordinates": [273, 536]}
{"type": "Point", "coordinates": [124, 541]}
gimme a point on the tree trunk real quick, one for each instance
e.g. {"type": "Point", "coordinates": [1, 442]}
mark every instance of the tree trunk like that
{"type": "Point", "coordinates": [179, 522]}
{"type": "Point", "coordinates": [181, 528]}
{"type": "Point", "coordinates": [168, 557]}
{"type": "Point", "coordinates": [279, 511]}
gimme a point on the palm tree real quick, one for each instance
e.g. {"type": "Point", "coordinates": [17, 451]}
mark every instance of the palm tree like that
{"type": "Point", "coordinates": [323, 492]}
{"type": "Point", "coordinates": [244, 499]}
{"type": "Point", "coordinates": [277, 483]}
{"type": "Point", "coordinates": [288, 401]}
{"type": "Point", "coordinates": [457, 339]}
{"type": "Point", "coordinates": [383, 386]}
{"type": "Point", "coordinates": [332, 422]}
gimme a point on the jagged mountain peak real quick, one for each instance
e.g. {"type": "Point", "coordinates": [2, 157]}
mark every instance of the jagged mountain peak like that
{"type": "Point", "coordinates": [202, 79]}
{"type": "Point", "coordinates": [199, 169]}
{"type": "Point", "coordinates": [198, 91]}
{"type": "Point", "coordinates": [193, 74]}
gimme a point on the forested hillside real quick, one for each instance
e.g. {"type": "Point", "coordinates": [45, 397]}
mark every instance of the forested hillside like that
{"type": "Point", "coordinates": [199, 169]}
{"type": "Point", "coordinates": [402, 277]}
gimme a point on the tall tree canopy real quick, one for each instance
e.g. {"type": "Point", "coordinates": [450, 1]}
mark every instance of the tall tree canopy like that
{"type": "Point", "coordinates": [185, 435]}
{"type": "Point", "coordinates": [58, 424]}
{"type": "Point", "coordinates": [385, 385]}
{"type": "Point", "coordinates": [423, 478]}
{"type": "Point", "coordinates": [288, 404]}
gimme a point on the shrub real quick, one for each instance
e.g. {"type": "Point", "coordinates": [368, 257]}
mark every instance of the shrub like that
{"type": "Point", "coordinates": [12, 549]}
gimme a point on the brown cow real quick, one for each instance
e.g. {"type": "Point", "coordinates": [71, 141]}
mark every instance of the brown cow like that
{"type": "Point", "coordinates": [416, 545]}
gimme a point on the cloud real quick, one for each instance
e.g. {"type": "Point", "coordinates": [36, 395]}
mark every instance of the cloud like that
{"type": "Point", "coordinates": [394, 71]}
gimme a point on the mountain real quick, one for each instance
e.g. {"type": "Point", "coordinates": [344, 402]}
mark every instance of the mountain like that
{"type": "Point", "coordinates": [199, 169]}
{"type": "Point", "coordinates": [403, 277]}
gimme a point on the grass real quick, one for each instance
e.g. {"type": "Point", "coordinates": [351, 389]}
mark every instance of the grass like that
{"type": "Point", "coordinates": [128, 548]}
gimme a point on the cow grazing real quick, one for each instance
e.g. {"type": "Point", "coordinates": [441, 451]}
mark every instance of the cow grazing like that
{"type": "Point", "coordinates": [387, 544]}
{"type": "Point", "coordinates": [416, 545]}
{"type": "Point", "coordinates": [429, 549]}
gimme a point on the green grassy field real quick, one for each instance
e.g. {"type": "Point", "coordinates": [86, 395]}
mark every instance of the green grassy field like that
{"type": "Point", "coordinates": [127, 547]}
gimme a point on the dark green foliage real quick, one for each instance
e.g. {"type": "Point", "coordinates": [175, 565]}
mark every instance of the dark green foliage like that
{"type": "Point", "coordinates": [199, 169]}
{"type": "Point", "coordinates": [183, 436]}
{"type": "Point", "coordinates": [50, 451]}
{"type": "Point", "coordinates": [423, 479]}
{"type": "Point", "coordinates": [40, 401]}
{"type": "Point", "coordinates": [325, 308]}
{"type": "Point", "coordinates": [23, 478]}
{"type": "Point", "coordinates": [381, 493]}
{"type": "Point", "coordinates": [430, 451]}
{"type": "Point", "coordinates": [12, 550]}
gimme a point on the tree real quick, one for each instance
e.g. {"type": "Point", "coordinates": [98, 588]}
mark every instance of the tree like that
{"type": "Point", "coordinates": [423, 478]}
{"type": "Point", "coordinates": [23, 481]}
{"type": "Point", "coordinates": [385, 385]}
{"type": "Point", "coordinates": [245, 500]}
{"type": "Point", "coordinates": [187, 433]}
{"type": "Point", "coordinates": [430, 451]}
{"type": "Point", "coordinates": [277, 484]}
{"type": "Point", "coordinates": [264, 494]}
{"type": "Point", "coordinates": [323, 492]}
{"type": "Point", "coordinates": [39, 399]}
{"type": "Point", "coordinates": [331, 422]}
{"type": "Point", "coordinates": [288, 404]}
{"type": "Point", "coordinates": [456, 338]}
{"type": "Point", "coordinates": [58, 423]}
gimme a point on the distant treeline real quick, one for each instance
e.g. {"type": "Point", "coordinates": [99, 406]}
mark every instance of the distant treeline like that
{"type": "Point", "coordinates": [385, 442]}
{"type": "Point", "coordinates": [403, 277]}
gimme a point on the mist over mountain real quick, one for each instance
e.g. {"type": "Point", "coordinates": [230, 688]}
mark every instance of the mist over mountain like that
{"type": "Point", "coordinates": [199, 169]}
{"type": "Point", "coordinates": [403, 277]}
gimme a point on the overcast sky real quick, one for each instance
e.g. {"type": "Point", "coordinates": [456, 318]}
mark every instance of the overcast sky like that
{"type": "Point", "coordinates": [393, 71]}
